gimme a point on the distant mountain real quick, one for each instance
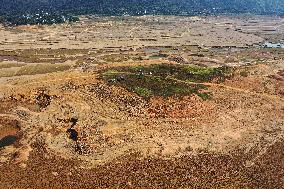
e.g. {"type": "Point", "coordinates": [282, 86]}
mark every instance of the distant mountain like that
{"type": "Point", "coordinates": [135, 7]}
{"type": "Point", "coordinates": [15, 8]}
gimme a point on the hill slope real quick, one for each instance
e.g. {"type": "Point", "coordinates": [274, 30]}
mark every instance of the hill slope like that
{"type": "Point", "coordinates": [134, 7]}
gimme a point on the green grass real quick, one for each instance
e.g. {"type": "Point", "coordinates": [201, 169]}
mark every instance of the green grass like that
{"type": "Point", "coordinates": [205, 96]}
{"type": "Point", "coordinates": [111, 72]}
{"type": "Point", "coordinates": [135, 68]}
{"type": "Point", "coordinates": [191, 73]}
{"type": "Point", "coordinates": [196, 70]}
{"type": "Point", "coordinates": [144, 92]}
{"type": "Point", "coordinates": [201, 74]}
{"type": "Point", "coordinates": [163, 80]}
{"type": "Point", "coordinates": [154, 79]}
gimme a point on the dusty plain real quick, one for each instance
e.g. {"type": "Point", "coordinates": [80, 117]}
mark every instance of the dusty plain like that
{"type": "Point", "coordinates": [143, 102]}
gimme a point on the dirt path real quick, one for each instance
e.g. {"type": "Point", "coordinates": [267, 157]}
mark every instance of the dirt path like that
{"type": "Point", "coordinates": [263, 95]}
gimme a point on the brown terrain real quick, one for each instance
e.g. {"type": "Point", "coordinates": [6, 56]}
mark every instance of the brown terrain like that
{"type": "Point", "coordinates": [143, 102]}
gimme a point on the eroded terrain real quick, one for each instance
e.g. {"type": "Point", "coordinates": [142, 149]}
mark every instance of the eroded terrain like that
{"type": "Point", "coordinates": [175, 107]}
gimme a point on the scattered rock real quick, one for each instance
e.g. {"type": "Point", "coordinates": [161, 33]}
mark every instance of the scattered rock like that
{"type": "Point", "coordinates": [55, 174]}
{"type": "Point", "coordinates": [73, 134]}
{"type": "Point", "coordinates": [43, 99]}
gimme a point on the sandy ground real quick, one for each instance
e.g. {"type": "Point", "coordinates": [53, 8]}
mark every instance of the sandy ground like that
{"type": "Point", "coordinates": [135, 32]}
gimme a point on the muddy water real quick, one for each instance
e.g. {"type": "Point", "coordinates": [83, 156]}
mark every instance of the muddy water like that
{"type": "Point", "coordinates": [9, 131]}
{"type": "Point", "coordinates": [8, 140]}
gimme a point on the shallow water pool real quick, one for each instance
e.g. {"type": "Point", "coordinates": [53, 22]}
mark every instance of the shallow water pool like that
{"type": "Point", "coordinates": [273, 45]}
{"type": "Point", "coordinates": [8, 140]}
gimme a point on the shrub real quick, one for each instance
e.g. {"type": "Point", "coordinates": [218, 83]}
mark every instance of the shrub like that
{"type": "Point", "coordinates": [205, 96]}
{"type": "Point", "coordinates": [199, 73]}
{"type": "Point", "coordinates": [244, 73]}
{"type": "Point", "coordinates": [144, 92]}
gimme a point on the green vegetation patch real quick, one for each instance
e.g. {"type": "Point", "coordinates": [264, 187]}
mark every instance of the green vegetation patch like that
{"type": "Point", "coordinates": [244, 73]}
{"type": "Point", "coordinates": [112, 72]}
{"type": "Point", "coordinates": [44, 55]}
{"type": "Point", "coordinates": [42, 69]}
{"type": "Point", "coordinates": [7, 72]}
{"type": "Point", "coordinates": [115, 58]}
{"type": "Point", "coordinates": [201, 74]}
{"type": "Point", "coordinates": [163, 80]}
{"type": "Point", "coordinates": [10, 65]}
{"type": "Point", "coordinates": [205, 96]}
{"type": "Point", "coordinates": [191, 73]}
{"type": "Point", "coordinates": [144, 92]}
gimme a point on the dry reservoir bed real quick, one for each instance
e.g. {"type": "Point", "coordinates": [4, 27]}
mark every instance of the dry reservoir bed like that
{"type": "Point", "coordinates": [169, 114]}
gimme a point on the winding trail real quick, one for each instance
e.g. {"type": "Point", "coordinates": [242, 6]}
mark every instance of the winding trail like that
{"type": "Point", "coordinates": [264, 95]}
